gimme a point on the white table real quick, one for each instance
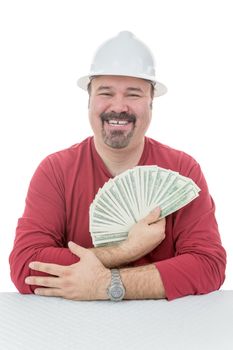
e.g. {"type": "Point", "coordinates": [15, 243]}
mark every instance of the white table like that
{"type": "Point", "coordinates": [194, 322]}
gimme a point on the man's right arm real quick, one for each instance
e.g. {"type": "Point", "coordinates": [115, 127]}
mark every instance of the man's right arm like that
{"type": "Point", "coordinates": [41, 232]}
{"type": "Point", "coordinates": [144, 236]}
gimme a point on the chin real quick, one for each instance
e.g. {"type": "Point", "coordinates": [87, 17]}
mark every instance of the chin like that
{"type": "Point", "coordinates": [118, 140]}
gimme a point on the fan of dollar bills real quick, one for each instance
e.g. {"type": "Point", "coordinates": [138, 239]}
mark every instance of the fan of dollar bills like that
{"type": "Point", "coordinates": [130, 196]}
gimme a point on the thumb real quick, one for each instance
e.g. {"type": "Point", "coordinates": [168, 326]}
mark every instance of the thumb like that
{"type": "Point", "coordinates": [77, 249]}
{"type": "Point", "coordinates": [153, 216]}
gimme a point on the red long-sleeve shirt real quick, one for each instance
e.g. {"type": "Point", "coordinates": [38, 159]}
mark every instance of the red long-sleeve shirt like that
{"type": "Point", "coordinates": [191, 259]}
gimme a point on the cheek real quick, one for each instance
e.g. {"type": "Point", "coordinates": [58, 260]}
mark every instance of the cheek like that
{"type": "Point", "coordinates": [145, 116]}
{"type": "Point", "coordinates": [94, 117]}
{"type": "Point", "coordinates": [94, 120]}
{"type": "Point", "coordinates": [145, 124]}
{"type": "Point", "coordinates": [93, 110]}
{"type": "Point", "coordinates": [96, 107]}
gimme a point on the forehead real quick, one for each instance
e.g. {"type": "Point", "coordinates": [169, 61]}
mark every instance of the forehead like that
{"type": "Point", "coordinates": [118, 82]}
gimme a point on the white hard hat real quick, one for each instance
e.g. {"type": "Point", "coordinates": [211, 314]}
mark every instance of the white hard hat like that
{"type": "Point", "coordinates": [124, 55]}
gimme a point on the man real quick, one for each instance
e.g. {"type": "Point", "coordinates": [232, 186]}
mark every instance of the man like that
{"type": "Point", "coordinates": [53, 253]}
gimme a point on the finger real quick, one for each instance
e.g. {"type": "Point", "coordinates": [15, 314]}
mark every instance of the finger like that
{"type": "Point", "coordinates": [77, 249]}
{"type": "Point", "coordinates": [153, 216]}
{"type": "Point", "coordinates": [51, 282]}
{"type": "Point", "coordinates": [51, 269]}
{"type": "Point", "coordinates": [48, 292]}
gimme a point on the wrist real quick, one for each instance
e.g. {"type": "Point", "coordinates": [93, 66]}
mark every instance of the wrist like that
{"type": "Point", "coordinates": [103, 282]}
{"type": "Point", "coordinates": [132, 251]}
{"type": "Point", "coordinates": [127, 250]}
{"type": "Point", "coordinates": [115, 255]}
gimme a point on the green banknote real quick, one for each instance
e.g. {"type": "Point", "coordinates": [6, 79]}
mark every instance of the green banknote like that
{"type": "Point", "coordinates": [130, 196]}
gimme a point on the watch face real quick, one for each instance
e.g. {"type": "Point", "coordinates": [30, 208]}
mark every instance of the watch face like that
{"type": "Point", "coordinates": [117, 292]}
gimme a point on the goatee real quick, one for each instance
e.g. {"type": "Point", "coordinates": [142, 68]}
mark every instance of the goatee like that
{"type": "Point", "coordinates": [117, 138]}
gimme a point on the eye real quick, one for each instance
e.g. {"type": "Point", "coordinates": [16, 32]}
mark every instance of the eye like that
{"type": "Point", "coordinates": [134, 95]}
{"type": "Point", "coordinates": [105, 94]}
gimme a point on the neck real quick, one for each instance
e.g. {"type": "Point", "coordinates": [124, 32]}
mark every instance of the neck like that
{"type": "Point", "coordinates": [119, 160]}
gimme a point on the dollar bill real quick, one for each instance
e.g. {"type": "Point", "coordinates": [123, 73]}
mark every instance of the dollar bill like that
{"type": "Point", "coordinates": [130, 196]}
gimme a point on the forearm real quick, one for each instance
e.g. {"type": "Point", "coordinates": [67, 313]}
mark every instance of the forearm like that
{"type": "Point", "coordinates": [115, 255]}
{"type": "Point", "coordinates": [142, 282]}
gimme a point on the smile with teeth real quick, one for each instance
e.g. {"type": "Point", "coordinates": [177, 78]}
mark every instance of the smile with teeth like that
{"type": "Point", "coordinates": [118, 122]}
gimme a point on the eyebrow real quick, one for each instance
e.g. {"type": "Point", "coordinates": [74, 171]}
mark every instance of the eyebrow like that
{"type": "Point", "coordinates": [102, 87]}
{"type": "Point", "coordinates": [134, 89]}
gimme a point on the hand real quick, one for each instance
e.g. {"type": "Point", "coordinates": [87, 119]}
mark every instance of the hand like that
{"type": "Point", "coordinates": [145, 235]}
{"type": "Point", "coordinates": [86, 280]}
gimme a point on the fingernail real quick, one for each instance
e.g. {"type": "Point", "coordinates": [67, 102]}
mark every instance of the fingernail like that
{"type": "Point", "coordinates": [31, 265]}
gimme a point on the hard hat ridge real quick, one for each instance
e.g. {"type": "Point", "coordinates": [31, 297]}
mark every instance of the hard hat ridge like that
{"type": "Point", "coordinates": [124, 55]}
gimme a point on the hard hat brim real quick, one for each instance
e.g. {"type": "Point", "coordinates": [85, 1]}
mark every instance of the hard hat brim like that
{"type": "Point", "coordinates": [160, 89]}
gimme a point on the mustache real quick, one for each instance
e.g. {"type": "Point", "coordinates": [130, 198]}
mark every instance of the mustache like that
{"type": "Point", "coordinates": [105, 117]}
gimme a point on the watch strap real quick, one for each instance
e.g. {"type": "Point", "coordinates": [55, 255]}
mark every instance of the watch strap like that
{"type": "Point", "coordinates": [116, 285]}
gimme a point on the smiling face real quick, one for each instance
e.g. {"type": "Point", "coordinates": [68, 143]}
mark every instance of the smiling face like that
{"type": "Point", "coordinates": [119, 110]}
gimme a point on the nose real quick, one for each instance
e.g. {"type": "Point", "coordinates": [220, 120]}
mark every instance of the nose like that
{"type": "Point", "coordinates": [119, 105]}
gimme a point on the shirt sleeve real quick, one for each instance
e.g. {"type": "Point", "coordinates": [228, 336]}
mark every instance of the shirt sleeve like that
{"type": "Point", "coordinates": [41, 231]}
{"type": "Point", "coordinates": [198, 266]}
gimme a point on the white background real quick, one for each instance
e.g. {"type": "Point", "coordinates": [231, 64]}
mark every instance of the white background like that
{"type": "Point", "coordinates": [46, 45]}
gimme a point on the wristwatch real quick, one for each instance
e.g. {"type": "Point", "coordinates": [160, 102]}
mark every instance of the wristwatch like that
{"type": "Point", "coordinates": [116, 290]}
